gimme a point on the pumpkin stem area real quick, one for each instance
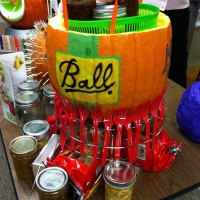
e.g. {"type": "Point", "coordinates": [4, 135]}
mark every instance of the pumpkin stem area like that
{"type": "Point", "coordinates": [14, 2]}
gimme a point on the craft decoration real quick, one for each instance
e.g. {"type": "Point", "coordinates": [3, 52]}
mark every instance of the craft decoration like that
{"type": "Point", "coordinates": [188, 112]}
{"type": "Point", "coordinates": [23, 13]}
{"type": "Point", "coordinates": [112, 70]}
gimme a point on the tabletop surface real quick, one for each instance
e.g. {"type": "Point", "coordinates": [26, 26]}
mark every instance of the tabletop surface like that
{"type": "Point", "coordinates": [183, 174]}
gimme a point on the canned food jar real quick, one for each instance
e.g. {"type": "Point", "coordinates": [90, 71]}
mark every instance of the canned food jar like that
{"type": "Point", "coordinates": [119, 177]}
{"type": "Point", "coordinates": [38, 129]}
{"type": "Point", "coordinates": [23, 151]}
{"type": "Point", "coordinates": [48, 100]}
{"type": "Point", "coordinates": [52, 184]}
{"type": "Point", "coordinates": [131, 7]}
{"type": "Point", "coordinates": [80, 9]}
{"type": "Point", "coordinates": [30, 85]}
{"type": "Point", "coordinates": [28, 107]}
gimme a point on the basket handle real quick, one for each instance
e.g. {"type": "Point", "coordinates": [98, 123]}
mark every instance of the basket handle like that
{"type": "Point", "coordinates": [113, 21]}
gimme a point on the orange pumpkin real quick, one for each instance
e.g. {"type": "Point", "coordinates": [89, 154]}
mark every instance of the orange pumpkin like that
{"type": "Point", "coordinates": [35, 10]}
{"type": "Point", "coordinates": [110, 70]}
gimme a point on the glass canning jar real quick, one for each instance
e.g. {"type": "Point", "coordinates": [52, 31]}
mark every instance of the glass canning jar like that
{"type": "Point", "coordinates": [38, 129]}
{"type": "Point", "coordinates": [80, 9]}
{"type": "Point", "coordinates": [28, 107]}
{"type": "Point", "coordinates": [30, 85]}
{"type": "Point", "coordinates": [52, 184]}
{"type": "Point", "coordinates": [23, 151]}
{"type": "Point", "coordinates": [119, 177]}
{"type": "Point", "coordinates": [48, 100]}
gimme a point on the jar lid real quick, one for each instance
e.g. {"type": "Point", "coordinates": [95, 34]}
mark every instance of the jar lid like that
{"type": "Point", "coordinates": [27, 99]}
{"type": "Point", "coordinates": [23, 145]}
{"type": "Point", "coordinates": [51, 179]}
{"type": "Point", "coordinates": [105, 11]}
{"type": "Point", "coordinates": [36, 128]}
{"type": "Point", "coordinates": [29, 85]}
{"type": "Point", "coordinates": [48, 91]}
{"type": "Point", "coordinates": [119, 174]}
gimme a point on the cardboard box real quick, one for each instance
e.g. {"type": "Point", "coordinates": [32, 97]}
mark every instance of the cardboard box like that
{"type": "Point", "coordinates": [12, 72]}
{"type": "Point", "coordinates": [47, 152]}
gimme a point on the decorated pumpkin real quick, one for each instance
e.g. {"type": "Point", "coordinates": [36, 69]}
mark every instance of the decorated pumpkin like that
{"type": "Point", "coordinates": [23, 13]}
{"type": "Point", "coordinates": [113, 71]}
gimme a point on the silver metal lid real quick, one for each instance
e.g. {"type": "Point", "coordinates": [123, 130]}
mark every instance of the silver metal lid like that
{"type": "Point", "coordinates": [48, 91]}
{"type": "Point", "coordinates": [36, 128]}
{"type": "Point", "coordinates": [27, 99]}
{"type": "Point", "coordinates": [119, 174]}
{"type": "Point", "coordinates": [51, 179]}
{"type": "Point", "coordinates": [105, 11]}
{"type": "Point", "coordinates": [23, 144]}
{"type": "Point", "coordinates": [29, 85]}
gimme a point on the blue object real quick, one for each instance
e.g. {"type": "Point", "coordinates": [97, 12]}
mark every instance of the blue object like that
{"type": "Point", "coordinates": [188, 112]}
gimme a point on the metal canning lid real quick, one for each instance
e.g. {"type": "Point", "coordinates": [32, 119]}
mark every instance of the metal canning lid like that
{"type": "Point", "coordinates": [119, 174]}
{"type": "Point", "coordinates": [48, 91]}
{"type": "Point", "coordinates": [51, 179]}
{"type": "Point", "coordinates": [27, 99]}
{"type": "Point", "coordinates": [36, 128]}
{"type": "Point", "coordinates": [105, 12]}
{"type": "Point", "coordinates": [108, 9]}
{"type": "Point", "coordinates": [23, 145]}
{"type": "Point", "coordinates": [29, 85]}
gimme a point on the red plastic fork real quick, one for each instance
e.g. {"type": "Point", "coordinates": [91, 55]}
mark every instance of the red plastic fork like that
{"type": "Point", "coordinates": [73, 115]}
{"type": "Point", "coordinates": [97, 117]}
{"type": "Point", "coordinates": [108, 122]}
{"type": "Point", "coordinates": [83, 112]}
{"type": "Point", "coordinates": [119, 120]}
{"type": "Point", "coordinates": [127, 124]}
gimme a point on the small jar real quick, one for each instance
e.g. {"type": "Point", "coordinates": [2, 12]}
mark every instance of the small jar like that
{"type": "Point", "coordinates": [119, 177]}
{"type": "Point", "coordinates": [80, 9]}
{"type": "Point", "coordinates": [52, 184]}
{"type": "Point", "coordinates": [48, 100]}
{"type": "Point", "coordinates": [23, 151]}
{"type": "Point", "coordinates": [38, 129]}
{"type": "Point", "coordinates": [131, 7]}
{"type": "Point", "coordinates": [30, 85]}
{"type": "Point", "coordinates": [28, 107]}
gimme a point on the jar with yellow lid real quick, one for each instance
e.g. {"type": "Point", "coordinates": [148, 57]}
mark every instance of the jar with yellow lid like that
{"type": "Point", "coordinates": [52, 184]}
{"type": "Point", "coordinates": [23, 151]}
{"type": "Point", "coordinates": [38, 129]}
{"type": "Point", "coordinates": [119, 177]}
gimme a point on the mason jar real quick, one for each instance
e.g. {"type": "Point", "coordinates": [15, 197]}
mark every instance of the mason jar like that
{"type": "Point", "coordinates": [30, 85]}
{"type": "Point", "coordinates": [28, 107]}
{"type": "Point", "coordinates": [38, 129]}
{"type": "Point", "coordinates": [119, 177]}
{"type": "Point", "coordinates": [48, 100]}
{"type": "Point", "coordinates": [80, 9]}
{"type": "Point", "coordinates": [52, 184]}
{"type": "Point", "coordinates": [23, 151]}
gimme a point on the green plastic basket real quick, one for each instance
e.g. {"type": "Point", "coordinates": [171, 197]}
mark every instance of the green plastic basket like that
{"type": "Point", "coordinates": [146, 19]}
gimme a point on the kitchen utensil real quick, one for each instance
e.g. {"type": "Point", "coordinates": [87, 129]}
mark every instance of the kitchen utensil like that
{"type": "Point", "coordinates": [83, 112]}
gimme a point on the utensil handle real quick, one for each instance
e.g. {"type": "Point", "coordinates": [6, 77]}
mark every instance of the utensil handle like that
{"type": "Point", "coordinates": [118, 142]}
{"type": "Point", "coordinates": [130, 144]}
{"type": "Point", "coordinates": [95, 140]}
{"type": "Point", "coordinates": [105, 145]}
{"type": "Point", "coordinates": [82, 137]}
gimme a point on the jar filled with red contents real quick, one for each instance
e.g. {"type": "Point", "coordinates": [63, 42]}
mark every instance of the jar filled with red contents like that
{"type": "Point", "coordinates": [131, 7]}
{"type": "Point", "coordinates": [80, 9]}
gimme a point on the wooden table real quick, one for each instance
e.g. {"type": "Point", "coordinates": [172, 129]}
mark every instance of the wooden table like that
{"type": "Point", "coordinates": [182, 176]}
